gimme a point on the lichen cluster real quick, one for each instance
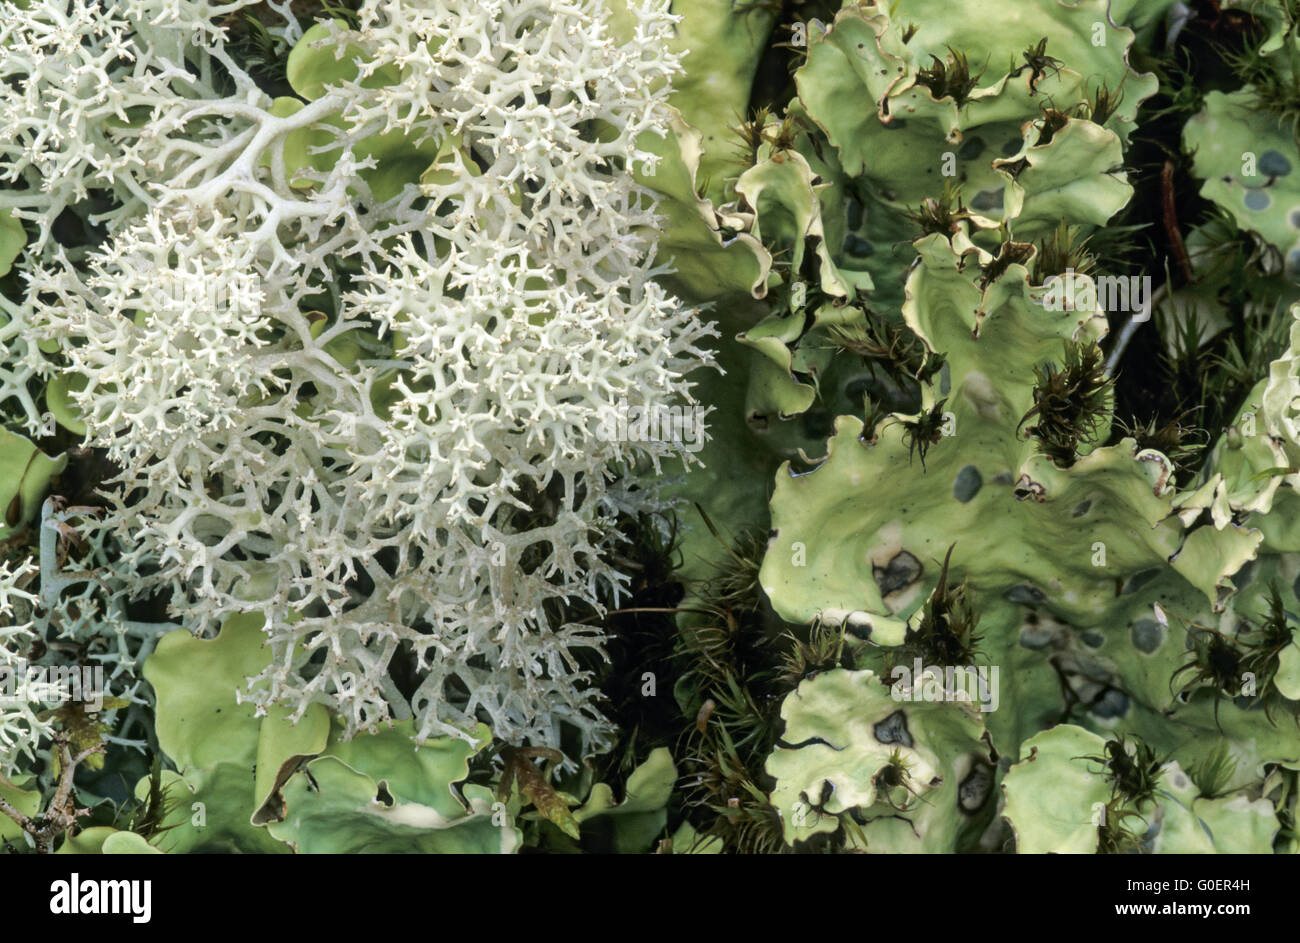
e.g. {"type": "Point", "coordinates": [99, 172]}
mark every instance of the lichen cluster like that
{"type": "Point", "coordinates": [621, 425]}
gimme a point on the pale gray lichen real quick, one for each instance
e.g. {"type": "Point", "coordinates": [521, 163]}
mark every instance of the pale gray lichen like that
{"type": "Point", "coordinates": [423, 466]}
{"type": "Point", "coordinates": [20, 728]}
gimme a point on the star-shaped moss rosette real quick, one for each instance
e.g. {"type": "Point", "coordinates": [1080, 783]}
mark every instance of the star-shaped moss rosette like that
{"type": "Point", "coordinates": [1256, 740]}
{"type": "Point", "coordinates": [1071, 792]}
{"type": "Point", "coordinates": [896, 776]}
{"type": "Point", "coordinates": [858, 540]}
{"type": "Point", "coordinates": [964, 81]}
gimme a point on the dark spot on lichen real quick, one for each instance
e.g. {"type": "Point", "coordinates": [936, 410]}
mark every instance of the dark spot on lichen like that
{"type": "Point", "coordinates": [1140, 579]}
{"type": "Point", "coordinates": [1093, 639]}
{"type": "Point", "coordinates": [1036, 637]}
{"type": "Point", "coordinates": [1081, 509]}
{"type": "Point", "coordinates": [1241, 578]}
{"type": "Point", "coordinates": [901, 571]}
{"type": "Point", "coordinates": [1112, 703]}
{"type": "Point", "coordinates": [1274, 164]}
{"type": "Point", "coordinates": [967, 484]}
{"type": "Point", "coordinates": [893, 730]}
{"type": "Point", "coordinates": [1012, 147]}
{"type": "Point", "coordinates": [971, 148]}
{"type": "Point", "coordinates": [974, 790]}
{"type": "Point", "coordinates": [1025, 594]}
{"type": "Point", "coordinates": [1148, 635]}
{"type": "Point", "coordinates": [857, 629]}
{"type": "Point", "coordinates": [854, 214]}
{"type": "Point", "coordinates": [858, 247]}
{"type": "Point", "coordinates": [1257, 200]}
{"type": "Point", "coordinates": [1094, 671]}
{"type": "Point", "coordinates": [987, 200]}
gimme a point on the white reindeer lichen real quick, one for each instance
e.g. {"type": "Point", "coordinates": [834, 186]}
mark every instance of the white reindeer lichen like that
{"type": "Point", "coordinates": [354, 351]}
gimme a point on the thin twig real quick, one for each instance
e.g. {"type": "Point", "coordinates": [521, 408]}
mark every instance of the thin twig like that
{"type": "Point", "coordinates": [1170, 214]}
{"type": "Point", "coordinates": [62, 813]}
